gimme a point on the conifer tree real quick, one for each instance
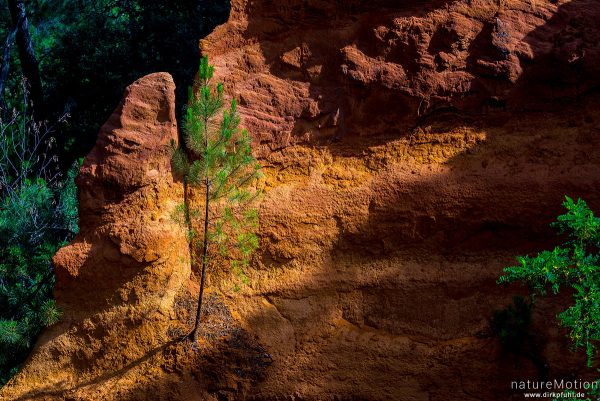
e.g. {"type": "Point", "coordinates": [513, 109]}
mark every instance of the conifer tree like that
{"type": "Point", "coordinates": [38, 215]}
{"type": "Point", "coordinates": [217, 160]}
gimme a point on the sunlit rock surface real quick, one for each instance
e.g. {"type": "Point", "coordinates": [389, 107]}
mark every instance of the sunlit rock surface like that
{"type": "Point", "coordinates": [411, 150]}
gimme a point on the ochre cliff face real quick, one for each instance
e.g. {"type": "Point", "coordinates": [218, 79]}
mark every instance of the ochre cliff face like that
{"type": "Point", "coordinates": [313, 71]}
{"type": "Point", "coordinates": [411, 150]}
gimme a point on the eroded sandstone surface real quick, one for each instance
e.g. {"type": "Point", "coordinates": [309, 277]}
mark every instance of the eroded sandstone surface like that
{"type": "Point", "coordinates": [411, 150]}
{"type": "Point", "coordinates": [117, 281]}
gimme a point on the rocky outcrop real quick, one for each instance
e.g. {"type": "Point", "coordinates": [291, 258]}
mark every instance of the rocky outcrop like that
{"type": "Point", "coordinates": [117, 281]}
{"type": "Point", "coordinates": [128, 171]}
{"type": "Point", "coordinates": [411, 150]}
{"type": "Point", "coordinates": [312, 72]}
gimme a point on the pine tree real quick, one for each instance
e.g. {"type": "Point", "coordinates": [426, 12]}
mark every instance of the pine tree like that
{"type": "Point", "coordinates": [217, 160]}
{"type": "Point", "coordinates": [38, 215]}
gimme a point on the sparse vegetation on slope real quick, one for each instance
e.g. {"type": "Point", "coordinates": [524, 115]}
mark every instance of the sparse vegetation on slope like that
{"type": "Point", "coordinates": [572, 266]}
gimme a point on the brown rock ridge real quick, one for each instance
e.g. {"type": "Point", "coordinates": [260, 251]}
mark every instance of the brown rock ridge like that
{"type": "Point", "coordinates": [412, 149]}
{"type": "Point", "coordinates": [117, 281]}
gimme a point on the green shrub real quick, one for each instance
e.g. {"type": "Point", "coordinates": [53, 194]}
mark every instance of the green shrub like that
{"type": "Point", "coordinates": [572, 266]}
{"type": "Point", "coordinates": [38, 214]}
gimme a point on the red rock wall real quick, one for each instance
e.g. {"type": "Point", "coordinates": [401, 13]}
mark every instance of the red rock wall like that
{"type": "Point", "coordinates": [411, 150]}
{"type": "Point", "coordinates": [317, 70]}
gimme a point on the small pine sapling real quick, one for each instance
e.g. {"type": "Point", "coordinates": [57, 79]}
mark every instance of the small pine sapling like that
{"type": "Point", "coordinates": [217, 160]}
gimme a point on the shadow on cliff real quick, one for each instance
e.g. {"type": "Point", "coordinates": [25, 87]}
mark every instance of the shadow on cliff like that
{"type": "Point", "coordinates": [552, 83]}
{"type": "Point", "coordinates": [492, 203]}
{"type": "Point", "coordinates": [422, 265]}
{"type": "Point", "coordinates": [186, 373]}
{"type": "Point", "coordinates": [59, 389]}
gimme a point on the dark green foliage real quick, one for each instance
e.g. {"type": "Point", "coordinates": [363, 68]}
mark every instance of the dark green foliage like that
{"type": "Point", "coordinates": [38, 214]}
{"type": "Point", "coordinates": [89, 51]}
{"type": "Point", "coordinates": [512, 325]}
{"type": "Point", "coordinates": [574, 267]}
{"type": "Point", "coordinates": [217, 160]}
{"type": "Point", "coordinates": [25, 300]}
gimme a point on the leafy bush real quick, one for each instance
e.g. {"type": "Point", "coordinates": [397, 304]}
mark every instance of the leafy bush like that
{"type": "Point", "coordinates": [573, 266]}
{"type": "Point", "coordinates": [38, 214]}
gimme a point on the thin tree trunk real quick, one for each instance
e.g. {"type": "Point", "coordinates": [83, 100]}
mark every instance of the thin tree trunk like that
{"type": "Point", "coordinates": [204, 259]}
{"type": "Point", "coordinates": [6, 65]}
{"type": "Point", "coordinates": [205, 245]}
{"type": "Point", "coordinates": [188, 223]}
{"type": "Point", "coordinates": [29, 62]}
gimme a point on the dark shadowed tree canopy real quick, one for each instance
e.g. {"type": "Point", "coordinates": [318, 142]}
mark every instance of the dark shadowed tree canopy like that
{"type": "Point", "coordinates": [29, 63]}
{"type": "Point", "coordinates": [89, 51]}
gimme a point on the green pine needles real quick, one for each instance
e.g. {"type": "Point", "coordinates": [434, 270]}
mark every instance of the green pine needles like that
{"type": "Point", "coordinates": [217, 160]}
{"type": "Point", "coordinates": [573, 266]}
{"type": "Point", "coordinates": [38, 215]}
